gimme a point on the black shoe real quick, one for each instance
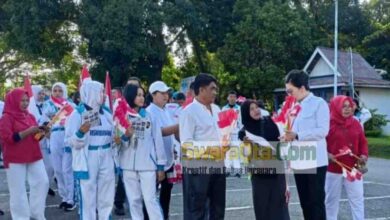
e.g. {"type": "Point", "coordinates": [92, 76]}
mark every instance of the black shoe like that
{"type": "Point", "coordinates": [120, 211]}
{"type": "Point", "coordinates": [238, 175]}
{"type": "Point", "coordinates": [51, 192]}
{"type": "Point", "coordinates": [62, 205]}
{"type": "Point", "coordinates": [1, 212]}
{"type": "Point", "coordinates": [69, 207]}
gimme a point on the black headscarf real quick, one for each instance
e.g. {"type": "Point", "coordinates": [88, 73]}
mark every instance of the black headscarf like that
{"type": "Point", "coordinates": [263, 127]}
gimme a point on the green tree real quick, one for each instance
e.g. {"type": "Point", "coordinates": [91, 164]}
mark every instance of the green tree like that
{"type": "Point", "coordinates": [267, 42]}
{"type": "Point", "coordinates": [377, 48]}
{"type": "Point", "coordinates": [124, 37]}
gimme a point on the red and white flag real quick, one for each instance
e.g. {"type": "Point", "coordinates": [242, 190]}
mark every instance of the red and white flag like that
{"type": "Point", "coordinates": [32, 107]}
{"type": "Point", "coordinates": [84, 75]}
{"type": "Point", "coordinates": [227, 121]}
{"type": "Point", "coordinates": [107, 89]}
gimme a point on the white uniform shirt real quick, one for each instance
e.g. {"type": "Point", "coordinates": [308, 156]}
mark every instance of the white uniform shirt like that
{"type": "Point", "coordinates": [165, 120]}
{"type": "Point", "coordinates": [197, 123]}
{"type": "Point", "coordinates": [312, 124]}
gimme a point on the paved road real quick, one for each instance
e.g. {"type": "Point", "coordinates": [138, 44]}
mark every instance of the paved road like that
{"type": "Point", "coordinates": [239, 200]}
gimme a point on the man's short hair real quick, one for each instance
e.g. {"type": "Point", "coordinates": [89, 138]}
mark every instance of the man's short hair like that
{"type": "Point", "coordinates": [202, 80]}
{"type": "Point", "coordinates": [232, 92]}
{"type": "Point", "coordinates": [179, 96]}
{"type": "Point", "coordinates": [298, 78]}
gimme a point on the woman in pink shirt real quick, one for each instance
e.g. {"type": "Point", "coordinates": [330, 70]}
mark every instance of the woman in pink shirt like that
{"type": "Point", "coordinates": [23, 158]}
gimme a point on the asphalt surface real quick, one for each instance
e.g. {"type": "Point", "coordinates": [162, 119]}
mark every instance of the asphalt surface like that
{"type": "Point", "coordinates": [239, 200]}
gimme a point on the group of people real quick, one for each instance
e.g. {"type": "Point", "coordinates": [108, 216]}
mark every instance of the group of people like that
{"type": "Point", "coordinates": [83, 155]}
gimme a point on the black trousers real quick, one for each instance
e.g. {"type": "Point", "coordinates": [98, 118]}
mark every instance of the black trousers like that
{"type": "Point", "coordinates": [204, 196]}
{"type": "Point", "coordinates": [269, 200]}
{"type": "Point", "coordinates": [120, 193]}
{"type": "Point", "coordinates": [311, 191]}
{"type": "Point", "coordinates": [165, 194]}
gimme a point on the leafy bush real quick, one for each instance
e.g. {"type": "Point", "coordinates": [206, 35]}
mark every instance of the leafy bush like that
{"type": "Point", "coordinates": [373, 127]}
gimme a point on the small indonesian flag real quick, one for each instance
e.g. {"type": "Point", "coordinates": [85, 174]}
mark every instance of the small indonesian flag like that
{"type": "Point", "coordinates": [62, 114]}
{"type": "Point", "coordinates": [227, 121]}
{"type": "Point", "coordinates": [343, 151]}
{"type": "Point", "coordinates": [32, 107]}
{"type": "Point", "coordinates": [107, 89]}
{"type": "Point", "coordinates": [122, 111]}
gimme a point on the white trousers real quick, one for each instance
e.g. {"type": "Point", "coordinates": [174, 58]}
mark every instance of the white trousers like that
{"type": "Point", "coordinates": [333, 184]}
{"type": "Point", "coordinates": [138, 185]}
{"type": "Point", "coordinates": [62, 164]}
{"type": "Point", "coordinates": [21, 207]}
{"type": "Point", "coordinates": [45, 150]}
{"type": "Point", "coordinates": [97, 192]}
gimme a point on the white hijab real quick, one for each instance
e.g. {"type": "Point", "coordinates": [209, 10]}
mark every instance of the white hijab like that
{"type": "Point", "coordinates": [63, 87]}
{"type": "Point", "coordinates": [91, 93]}
{"type": "Point", "coordinates": [36, 89]}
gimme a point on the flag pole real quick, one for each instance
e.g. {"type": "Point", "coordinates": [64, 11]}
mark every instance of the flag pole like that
{"type": "Point", "coordinates": [335, 47]}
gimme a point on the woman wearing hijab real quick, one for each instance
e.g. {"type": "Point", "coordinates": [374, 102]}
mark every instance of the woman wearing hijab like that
{"type": "Point", "coordinates": [39, 96]}
{"type": "Point", "coordinates": [345, 131]}
{"type": "Point", "coordinates": [142, 158]}
{"type": "Point", "coordinates": [23, 158]}
{"type": "Point", "coordinates": [268, 190]}
{"type": "Point", "coordinates": [89, 131]}
{"type": "Point", "coordinates": [61, 156]}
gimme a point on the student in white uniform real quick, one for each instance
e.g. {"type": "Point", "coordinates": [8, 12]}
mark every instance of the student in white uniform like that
{"type": "Point", "coordinates": [39, 96]}
{"type": "Point", "coordinates": [158, 112]}
{"type": "Point", "coordinates": [60, 153]}
{"type": "Point", "coordinates": [93, 161]}
{"type": "Point", "coordinates": [142, 158]}
{"type": "Point", "coordinates": [233, 164]}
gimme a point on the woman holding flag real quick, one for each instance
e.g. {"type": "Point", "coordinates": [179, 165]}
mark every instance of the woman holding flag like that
{"type": "Point", "coordinates": [310, 124]}
{"type": "Point", "coordinates": [60, 153]}
{"type": "Point", "coordinates": [142, 156]}
{"type": "Point", "coordinates": [23, 158]}
{"type": "Point", "coordinates": [347, 148]}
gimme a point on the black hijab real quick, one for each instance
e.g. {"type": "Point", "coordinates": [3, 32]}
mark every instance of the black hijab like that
{"type": "Point", "coordinates": [263, 127]}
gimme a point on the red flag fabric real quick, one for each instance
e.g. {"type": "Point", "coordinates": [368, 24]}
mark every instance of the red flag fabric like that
{"type": "Point", "coordinates": [32, 107]}
{"type": "Point", "coordinates": [27, 86]}
{"type": "Point", "coordinates": [241, 99]}
{"type": "Point", "coordinates": [343, 151]}
{"type": "Point", "coordinates": [288, 104]}
{"type": "Point", "coordinates": [108, 89]}
{"type": "Point", "coordinates": [85, 74]}
{"type": "Point", "coordinates": [227, 117]}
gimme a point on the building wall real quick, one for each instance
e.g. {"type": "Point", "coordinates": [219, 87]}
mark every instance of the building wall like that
{"type": "Point", "coordinates": [321, 69]}
{"type": "Point", "coordinates": [375, 98]}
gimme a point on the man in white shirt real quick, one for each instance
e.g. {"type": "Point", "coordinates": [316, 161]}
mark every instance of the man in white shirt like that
{"type": "Point", "coordinates": [198, 125]}
{"type": "Point", "coordinates": [311, 124]}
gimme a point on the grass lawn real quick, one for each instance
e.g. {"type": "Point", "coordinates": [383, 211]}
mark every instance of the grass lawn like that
{"type": "Point", "coordinates": [379, 147]}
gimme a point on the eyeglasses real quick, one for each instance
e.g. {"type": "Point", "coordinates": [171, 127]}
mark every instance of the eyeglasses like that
{"type": "Point", "coordinates": [57, 90]}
